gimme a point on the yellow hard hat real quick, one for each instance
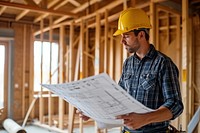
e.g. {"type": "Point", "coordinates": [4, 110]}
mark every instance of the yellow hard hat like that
{"type": "Point", "coordinates": [130, 19]}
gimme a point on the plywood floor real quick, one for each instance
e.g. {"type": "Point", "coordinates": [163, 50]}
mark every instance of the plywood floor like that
{"type": "Point", "coordinates": [37, 129]}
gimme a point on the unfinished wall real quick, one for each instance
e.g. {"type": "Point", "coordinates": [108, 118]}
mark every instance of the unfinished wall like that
{"type": "Point", "coordinates": [21, 62]}
{"type": "Point", "coordinates": [196, 55]}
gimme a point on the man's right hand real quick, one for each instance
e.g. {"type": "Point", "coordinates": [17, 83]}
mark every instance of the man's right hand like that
{"type": "Point", "coordinates": [81, 115]}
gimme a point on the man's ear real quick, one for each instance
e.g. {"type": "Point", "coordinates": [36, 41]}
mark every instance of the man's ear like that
{"type": "Point", "coordinates": [141, 34]}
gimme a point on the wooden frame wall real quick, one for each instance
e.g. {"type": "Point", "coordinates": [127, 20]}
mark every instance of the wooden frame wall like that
{"type": "Point", "coordinates": [109, 52]}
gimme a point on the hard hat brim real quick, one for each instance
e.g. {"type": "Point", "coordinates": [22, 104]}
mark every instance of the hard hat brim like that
{"type": "Point", "coordinates": [118, 32]}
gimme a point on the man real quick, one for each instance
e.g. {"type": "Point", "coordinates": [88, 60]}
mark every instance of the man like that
{"type": "Point", "coordinates": [148, 75]}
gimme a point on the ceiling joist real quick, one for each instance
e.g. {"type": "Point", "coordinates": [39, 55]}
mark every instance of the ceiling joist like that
{"type": "Point", "coordinates": [31, 2]}
{"type": "Point", "coordinates": [36, 9]}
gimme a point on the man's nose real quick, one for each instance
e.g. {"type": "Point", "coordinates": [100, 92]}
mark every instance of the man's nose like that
{"type": "Point", "coordinates": [122, 41]}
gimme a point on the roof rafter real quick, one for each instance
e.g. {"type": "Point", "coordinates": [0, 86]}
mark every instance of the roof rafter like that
{"type": "Point", "coordinates": [31, 2]}
{"type": "Point", "coordinates": [51, 4]}
{"type": "Point", "coordinates": [22, 14]}
{"type": "Point", "coordinates": [75, 3]}
{"type": "Point", "coordinates": [78, 9]}
{"type": "Point", "coordinates": [36, 9]}
{"type": "Point", "coordinates": [4, 8]}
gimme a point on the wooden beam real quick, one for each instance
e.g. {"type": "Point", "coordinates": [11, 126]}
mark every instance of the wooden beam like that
{"type": "Point", "coordinates": [54, 26]}
{"type": "Point", "coordinates": [61, 4]}
{"type": "Point", "coordinates": [31, 75]}
{"type": "Point", "coordinates": [111, 54]}
{"type": "Point", "coordinates": [109, 6]}
{"type": "Point", "coordinates": [71, 76]}
{"type": "Point", "coordinates": [157, 29]}
{"type": "Point", "coordinates": [97, 44]}
{"type": "Point", "coordinates": [75, 3]}
{"type": "Point", "coordinates": [185, 54]}
{"type": "Point", "coordinates": [61, 78]}
{"type": "Point", "coordinates": [78, 9]}
{"type": "Point", "coordinates": [50, 99]}
{"type": "Point", "coordinates": [167, 9]}
{"type": "Point", "coordinates": [110, 19]}
{"type": "Point", "coordinates": [41, 102]}
{"type": "Point", "coordinates": [40, 17]}
{"type": "Point", "coordinates": [153, 22]}
{"type": "Point", "coordinates": [22, 14]}
{"type": "Point", "coordinates": [3, 9]}
{"type": "Point", "coordinates": [36, 9]}
{"type": "Point", "coordinates": [24, 71]}
{"type": "Point", "coordinates": [112, 5]}
{"type": "Point", "coordinates": [124, 51]}
{"type": "Point", "coordinates": [125, 6]}
{"type": "Point", "coordinates": [106, 41]}
{"type": "Point", "coordinates": [116, 15]}
{"type": "Point", "coordinates": [52, 3]}
{"type": "Point", "coordinates": [31, 2]}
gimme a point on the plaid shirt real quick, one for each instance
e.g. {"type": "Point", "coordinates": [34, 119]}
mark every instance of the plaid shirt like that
{"type": "Point", "coordinates": [154, 82]}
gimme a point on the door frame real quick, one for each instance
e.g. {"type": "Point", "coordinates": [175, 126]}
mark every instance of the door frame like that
{"type": "Point", "coordinates": [4, 111]}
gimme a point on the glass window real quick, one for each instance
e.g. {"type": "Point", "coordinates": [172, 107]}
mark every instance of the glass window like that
{"type": "Point", "coordinates": [2, 63]}
{"type": "Point", "coordinates": [46, 53]}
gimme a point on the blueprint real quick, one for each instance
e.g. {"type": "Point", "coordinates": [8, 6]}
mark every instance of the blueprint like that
{"type": "Point", "coordinates": [100, 98]}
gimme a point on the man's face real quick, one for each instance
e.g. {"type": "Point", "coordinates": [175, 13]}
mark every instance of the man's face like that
{"type": "Point", "coordinates": [130, 42]}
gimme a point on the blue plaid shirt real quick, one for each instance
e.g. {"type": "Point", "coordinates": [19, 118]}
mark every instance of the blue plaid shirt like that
{"type": "Point", "coordinates": [154, 82]}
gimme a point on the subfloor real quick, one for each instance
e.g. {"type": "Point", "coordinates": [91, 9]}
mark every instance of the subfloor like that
{"type": "Point", "coordinates": [37, 129]}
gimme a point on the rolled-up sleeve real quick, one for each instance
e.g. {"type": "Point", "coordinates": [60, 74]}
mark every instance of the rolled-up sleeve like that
{"type": "Point", "coordinates": [171, 88]}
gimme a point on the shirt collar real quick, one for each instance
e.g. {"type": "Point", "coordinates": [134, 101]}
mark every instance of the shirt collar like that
{"type": "Point", "coordinates": [150, 54]}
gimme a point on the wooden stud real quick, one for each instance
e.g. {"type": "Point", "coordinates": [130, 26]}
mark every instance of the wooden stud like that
{"type": "Point", "coordinates": [71, 76]}
{"type": "Point", "coordinates": [97, 52]}
{"type": "Point", "coordinates": [106, 41]}
{"type": "Point", "coordinates": [111, 54]}
{"type": "Point", "coordinates": [50, 99]}
{"type": "Point", "coordinates": [82, 68]}
{"type": "Point", "coordinates": [153, 22]}
{"type": "Point", "coordinates": [61, 78]}
{"type": "Point", "coordinates": [157, 29]}
{"type": "Point", "coordinates": [24, 71]}
{"type": "Point", "coordinates": [82, 59]}
{"type": "Point", "coordinates": [185, 43]}
{"type": "Point", "coordinates": [41, 102]}
{"type": "Point", "coordinates": [31, 68]}
{"type": "Point", "coordinates": [97, 44]}
{"type": "Point", "coordinates": [190, 64]}
{"type": "Point", "coordinates": [168, 35]}
{"type": "Point", "coordinates": [86, 46]}
{"type": "Point", "coordinates": [124, 52]}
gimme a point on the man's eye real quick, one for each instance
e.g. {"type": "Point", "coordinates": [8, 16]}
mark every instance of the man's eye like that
{"type": "Point", "coordinates": [126, 36]}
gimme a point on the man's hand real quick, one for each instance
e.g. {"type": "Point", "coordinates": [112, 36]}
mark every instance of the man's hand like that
{"type": "Point", "coordinates": [133, 120]}
{"type": "Point", "coordinates": [84, 117]}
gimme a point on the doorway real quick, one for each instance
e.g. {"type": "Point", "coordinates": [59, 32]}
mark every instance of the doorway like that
{"type": "Point", "coordinates": [3, 80]}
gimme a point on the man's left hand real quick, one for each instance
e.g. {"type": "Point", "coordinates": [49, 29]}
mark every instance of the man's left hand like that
{"type": "Point", "coordinates": [133, 120]}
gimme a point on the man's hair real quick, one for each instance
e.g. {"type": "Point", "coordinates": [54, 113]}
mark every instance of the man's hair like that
{"type": "Point", "coordinates": [146, 31]}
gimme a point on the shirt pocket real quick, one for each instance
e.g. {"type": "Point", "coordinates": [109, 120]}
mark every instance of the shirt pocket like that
{"type": "Point", "coordinates": [148, 81]}
{"type": "Point", "coordinates": [128, 81]}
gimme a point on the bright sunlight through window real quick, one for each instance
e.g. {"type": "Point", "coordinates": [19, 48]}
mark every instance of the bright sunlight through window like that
{"type": "Point", "coordinates": [2, 62]}
{"type": "Point", "coordinates": [49, 63]}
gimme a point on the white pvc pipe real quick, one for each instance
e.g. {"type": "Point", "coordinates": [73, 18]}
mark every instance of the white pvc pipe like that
{"type": "Point", "coordinates": [12, 127]}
